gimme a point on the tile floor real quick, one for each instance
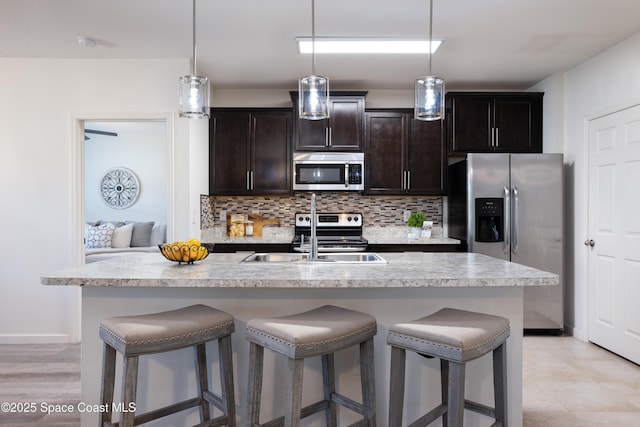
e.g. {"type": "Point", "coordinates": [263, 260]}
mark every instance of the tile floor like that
{"type": "Point", "coordinates": [567, 383]}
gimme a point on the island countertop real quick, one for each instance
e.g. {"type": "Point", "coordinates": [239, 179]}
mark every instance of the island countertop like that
{"type": "Point", "coordinates": [403, 270]}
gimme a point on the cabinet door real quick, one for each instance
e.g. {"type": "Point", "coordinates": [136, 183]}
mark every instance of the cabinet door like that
{"type": "Point", "coordinates": [270, 154]}
{"type": "Point", "coordinates": [469, 119]}
{"type": "Point", "coordinates": [229, 153]}
{"type": "Point", "coordinates": [518, 123]}
{"type": "Point", "coordinates": [427, 158]}
{"type": "Point", "coordinates": [346, 123]}
{"type": "Point", "coordinates": [385, 145]}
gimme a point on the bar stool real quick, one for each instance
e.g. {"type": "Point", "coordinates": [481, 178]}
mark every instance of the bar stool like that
{"type": "Point", "coordinates": [455, 337]}
{"type": "Point", "coordinates": [192, 326]}
{"type": "Point", "coordinates": [318, 332]}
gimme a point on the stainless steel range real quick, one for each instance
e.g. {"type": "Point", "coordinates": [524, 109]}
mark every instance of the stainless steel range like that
{"type": "Point", "coordinates": [337, 232]}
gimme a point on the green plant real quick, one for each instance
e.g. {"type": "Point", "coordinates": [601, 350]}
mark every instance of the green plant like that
{"type": "Point", "coordinates": [416, 219]}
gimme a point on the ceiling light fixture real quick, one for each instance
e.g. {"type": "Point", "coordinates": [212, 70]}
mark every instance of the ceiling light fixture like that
{"type": "Point", "coordinates": [87, 42]}
{"type": "Point", "coordinates": [313, 90]}
{"type": "Point", "coordinates": [429, 92]}
{"type": "Point", "coordinates": [366, 45]}
{"type": "Point", "coordinates": [194, 89]}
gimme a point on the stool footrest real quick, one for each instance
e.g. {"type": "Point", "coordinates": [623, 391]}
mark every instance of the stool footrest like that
{"type": "Point", "coordinates": [480, 408]}
{"type": "Point", "coordinates": [430, 416]}
{"type": "Point", "coordinates": [167, 410]}
{"type": "Point", "coordinates": [347, 403]}
{"type": "Point", "coordinates": [308, 410]}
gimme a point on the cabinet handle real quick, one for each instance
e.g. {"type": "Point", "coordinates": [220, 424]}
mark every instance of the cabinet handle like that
{"type": "Point", "coordinates": [408, 180]}
{"type": "Point", "coordinates": [251, 180]}
{"type": "Point", "coordinates": [327, 142]}
{"type": "Point", "coordinates": [493, 137]}
{"type": "Point", "coordinates": [404, 180]}
{"type": "Point", "coordinates": [497, 137]}
{"type": "Point", "coordinates": [330, 136]}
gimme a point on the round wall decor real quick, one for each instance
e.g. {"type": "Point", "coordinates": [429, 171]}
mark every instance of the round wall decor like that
{"type": "Point", "coordinates": [119, 188]}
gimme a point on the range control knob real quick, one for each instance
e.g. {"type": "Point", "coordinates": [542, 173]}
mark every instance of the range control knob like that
{"type": "Point", "coordinates": [349, 218]}
{"type": "Point", "coordinates": [356, 219]}
{"type": "Point", "coordinates": [307, 219]}
{"type": "Point", "coordinates": [300, 219]}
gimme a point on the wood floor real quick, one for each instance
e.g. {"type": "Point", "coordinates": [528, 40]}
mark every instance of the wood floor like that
{"type": "Point", "coordinates": [567, 383]}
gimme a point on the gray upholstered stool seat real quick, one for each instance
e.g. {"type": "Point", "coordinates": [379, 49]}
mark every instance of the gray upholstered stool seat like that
{"type": "Point", "coordinates": [192, 326]}
{"type": "Point", "coordinates": [318, 332]}
{"type": "Point", "coordinates": [455, 337]}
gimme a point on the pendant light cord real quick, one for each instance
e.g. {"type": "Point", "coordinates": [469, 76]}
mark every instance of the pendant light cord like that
{"type": "Point", "coordinates": [193, 40]}
{"type": "Point", "coordinates": [430, 35]}
{"type": "Point", "coordinates": [313, 37]}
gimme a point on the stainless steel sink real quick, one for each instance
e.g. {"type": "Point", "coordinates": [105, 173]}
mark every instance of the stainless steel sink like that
{"type": "Point", "coordinates": [342, 258]}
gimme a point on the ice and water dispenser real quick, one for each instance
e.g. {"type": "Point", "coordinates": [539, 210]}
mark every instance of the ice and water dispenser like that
{"type": "Point", "coordinates": [489, 219]}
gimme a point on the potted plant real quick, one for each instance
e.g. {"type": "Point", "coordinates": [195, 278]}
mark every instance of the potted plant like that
{"type": "Point", "coordinates": [415, 221]}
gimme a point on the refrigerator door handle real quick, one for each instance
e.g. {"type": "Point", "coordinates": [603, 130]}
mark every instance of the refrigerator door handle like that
{"type": "Point", "coordinates": [514, 237]}
{"type": "Point", "coordinates": [507, 221]}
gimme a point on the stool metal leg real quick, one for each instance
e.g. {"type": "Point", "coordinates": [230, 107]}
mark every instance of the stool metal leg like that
{"type": "Point", "coordinates": [226, 376]}
{"type": "Point", "coordinates": [129, 388]}
{"type": "Point", "coordinates": [500, 383]}
{"type": "Point", "coordinates": [329, 386]}
{"type": "Point", "coordinates": [455, 404]}
{"type": "Point", "coordinates": [203, 381]}
{"type": "Point", "coordinates": [367, 370]}
{"type": "Point", "coordinates": [396, 386]}
{"type": "Point", "coordinates": [293, 394]}
{"type": "Point", "coordinates": [256, 365]}
{"type": "Point", "coordinates": [108, 382]}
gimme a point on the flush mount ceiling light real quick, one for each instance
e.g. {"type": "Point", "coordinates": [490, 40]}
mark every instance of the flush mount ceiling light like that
{"type": "Point", "coordinates": [87, 42]}
{"type": "Point", "coordinates": [429, 91]}
{"type": "Point", "coordinates": [313, 90]}
{"type": "Point", "coordinates": [366, 45]}
{"type": "Point", "coordinates": [194, 89]}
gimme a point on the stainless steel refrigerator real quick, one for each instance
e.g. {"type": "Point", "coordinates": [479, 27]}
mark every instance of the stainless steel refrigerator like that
{"type": "Point", "coordinates": [510, 206]}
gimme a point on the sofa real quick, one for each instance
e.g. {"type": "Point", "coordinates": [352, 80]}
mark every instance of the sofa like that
{"type": "Point", "coordinates": [108, 239]}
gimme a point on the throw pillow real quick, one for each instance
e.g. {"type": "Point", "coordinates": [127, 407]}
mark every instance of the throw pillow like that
{"type": "Point", "coordinates": [158, 234]}
{"type": "Point", "coordinates": [141, 235]}
{"type": "Point", "coordinates": [122, 236]}
{"type": "Point", "coordinates": [100, 236]}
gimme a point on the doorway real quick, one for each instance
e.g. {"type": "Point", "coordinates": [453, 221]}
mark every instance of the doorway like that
{"type": "Point", "coordinates": [124, 178]}
{"type": "Point", "coordinates": [613, 241]}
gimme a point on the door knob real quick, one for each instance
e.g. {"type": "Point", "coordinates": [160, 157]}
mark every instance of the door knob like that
{"type": "Point", "coordinates": [590, 242]}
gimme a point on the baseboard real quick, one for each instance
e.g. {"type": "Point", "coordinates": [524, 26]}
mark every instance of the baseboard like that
{"type": "Point", "coordinates": [38, 339]}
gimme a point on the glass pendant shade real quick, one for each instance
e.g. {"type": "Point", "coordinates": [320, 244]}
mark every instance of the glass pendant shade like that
{"type": "Point", "coordinates": [314, 98]}
{"type": "Point", "coordinates": [194, 97]}
{"type": "Point", "coordinates": [429, 95]}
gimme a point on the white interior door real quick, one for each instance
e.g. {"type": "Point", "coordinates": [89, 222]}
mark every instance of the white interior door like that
{"type": "Point", "coordinates": [614, 232]}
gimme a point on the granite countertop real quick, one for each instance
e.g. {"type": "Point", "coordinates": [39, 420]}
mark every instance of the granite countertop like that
{"type": "Point", "coordinates": [403, 270]}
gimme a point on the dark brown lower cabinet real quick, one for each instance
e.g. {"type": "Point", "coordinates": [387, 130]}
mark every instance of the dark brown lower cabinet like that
{"type": "Point", "coordinates": [404, 155]}
{"type": "Point", "coordinates": [250, 152]}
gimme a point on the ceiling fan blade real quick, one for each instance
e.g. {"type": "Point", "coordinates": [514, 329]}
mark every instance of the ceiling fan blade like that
{"type": "Point", "coordinates": [100, 132]}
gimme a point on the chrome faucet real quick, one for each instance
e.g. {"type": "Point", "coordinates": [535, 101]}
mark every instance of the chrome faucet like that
{"type": "Point", "coordinates": [313, 250]}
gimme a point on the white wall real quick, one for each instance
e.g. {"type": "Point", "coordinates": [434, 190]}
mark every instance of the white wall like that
{"type": "Point", "coordinates": [605, 83]}
{"type": "Point", "coordinates": [140, 147]}
{"type": "Point", "coordinates": [40, 102]}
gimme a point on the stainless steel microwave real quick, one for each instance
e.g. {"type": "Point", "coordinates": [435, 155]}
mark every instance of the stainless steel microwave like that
{"type": "Point", "coordinates": [328, 171]}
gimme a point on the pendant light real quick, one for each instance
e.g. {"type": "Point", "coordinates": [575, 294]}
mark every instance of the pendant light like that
{"type": "Point", "coordinates": [194, 89]}
{"type": "Point", "coordinates": [313, 90]}
{"type": "Point", "coordinates": [429, 92]}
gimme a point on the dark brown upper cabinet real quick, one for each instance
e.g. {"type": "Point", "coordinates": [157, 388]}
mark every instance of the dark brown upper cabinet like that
{"type": "Point", "coordinates": [507, 122]}
{"type": "Point", "coordinates": [343, 131]}
{"type": "Point", "coordinates": [404, 155]}
{"type": "Point", "coordinates": [250, 152]}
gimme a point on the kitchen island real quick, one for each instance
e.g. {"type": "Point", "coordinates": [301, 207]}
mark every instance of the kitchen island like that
{"type": "Point", "coordinates": [409, 286]}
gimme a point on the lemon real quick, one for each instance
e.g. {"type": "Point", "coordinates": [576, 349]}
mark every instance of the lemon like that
{"type": "Point", "coordinates": [193, 242]}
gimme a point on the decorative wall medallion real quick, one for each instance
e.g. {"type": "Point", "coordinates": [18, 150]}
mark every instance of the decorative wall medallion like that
{"type": "Point", "coordinates": [119, 188]}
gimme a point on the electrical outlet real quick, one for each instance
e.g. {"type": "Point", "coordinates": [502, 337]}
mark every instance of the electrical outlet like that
{"type": "Point", "coordinates": [406, 215]}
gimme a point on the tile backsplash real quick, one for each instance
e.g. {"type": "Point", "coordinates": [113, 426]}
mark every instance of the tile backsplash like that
{"type": "Point", "coordinates": [379, 211]}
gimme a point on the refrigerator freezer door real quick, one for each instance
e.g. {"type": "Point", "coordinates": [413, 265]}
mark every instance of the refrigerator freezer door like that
{"type": "Point", "coordinates": [487, 177]}
{"type": "Point", "coordinates": [537, 232]}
